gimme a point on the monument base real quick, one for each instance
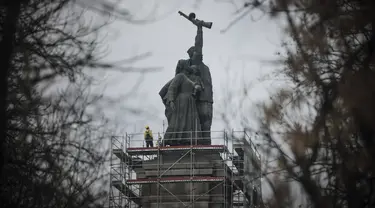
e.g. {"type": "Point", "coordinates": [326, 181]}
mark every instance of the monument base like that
{"type": "Point", "coordinates": [181, 170]}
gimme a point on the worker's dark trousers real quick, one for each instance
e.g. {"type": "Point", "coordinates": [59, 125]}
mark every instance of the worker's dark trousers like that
{"type": "Point", "coordinates": [149, 143]}
{"type": "Point", "coordinates": [205, 112]}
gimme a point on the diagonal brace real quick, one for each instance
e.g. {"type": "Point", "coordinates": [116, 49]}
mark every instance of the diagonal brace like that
{"type": "Point", "coordinates": [175, 163]}
{"type": "Point", "coordinates": [206, 192]}
{"type": "Point", "coordinates": [172, 194]}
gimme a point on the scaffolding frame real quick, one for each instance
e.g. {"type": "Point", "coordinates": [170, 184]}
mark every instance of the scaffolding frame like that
{"type": "Point", "coordinates": [125, 187]}
{"type": "Point", "coordinates": [248, 172]}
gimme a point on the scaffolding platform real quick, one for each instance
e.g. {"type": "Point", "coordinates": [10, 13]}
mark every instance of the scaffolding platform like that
{"type": "Point", "coordinates": [156, 150]}
{"type": "Point", "coordinates": [175, 180]}
{"type": "Point", "coordinates": [183, 176]}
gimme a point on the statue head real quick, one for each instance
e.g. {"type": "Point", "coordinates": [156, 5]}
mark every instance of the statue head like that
{"type": "Point", "coordinates": [191, 70]}
{"type": "Point", "coordinates": [191, 51]}
{"type": "Point", "coordinates": [193, 55]}
{"type": "Point", "coordinates": [187, 71]}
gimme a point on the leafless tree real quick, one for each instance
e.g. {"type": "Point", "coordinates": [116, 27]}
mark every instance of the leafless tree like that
{"type": "Point", "coordinates": [320, 126]}
{"type": "Point", "coordinates": [52, 127]}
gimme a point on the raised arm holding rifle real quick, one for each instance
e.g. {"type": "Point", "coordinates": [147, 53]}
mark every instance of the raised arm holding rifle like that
{"type": "Point", "coordinates": [205, 97]}
{"type": "Point", "coordinates": [194, 52]}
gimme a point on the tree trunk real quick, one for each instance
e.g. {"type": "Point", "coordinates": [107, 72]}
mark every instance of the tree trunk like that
{"type": "Point", "coordinates": [12, 9]}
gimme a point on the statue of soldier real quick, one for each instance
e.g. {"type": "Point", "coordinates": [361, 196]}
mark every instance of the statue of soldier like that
{"type": "Point", "coordinates": [205, 97]}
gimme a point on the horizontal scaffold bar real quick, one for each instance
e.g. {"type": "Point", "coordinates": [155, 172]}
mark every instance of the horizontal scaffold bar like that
{"type": "Point", "coordinates": [175, 180]}
{"type": "Point", "coordinates": [154, 150]}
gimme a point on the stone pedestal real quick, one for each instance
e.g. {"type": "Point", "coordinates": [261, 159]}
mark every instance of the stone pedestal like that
{"type": "Point", "coordinates": [204, 194]}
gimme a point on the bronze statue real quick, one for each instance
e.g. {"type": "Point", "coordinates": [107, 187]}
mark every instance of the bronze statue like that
{"type": "Point", "coordinates": [204, 97]}
{"type": "Point", "coordinates": [184, 121]}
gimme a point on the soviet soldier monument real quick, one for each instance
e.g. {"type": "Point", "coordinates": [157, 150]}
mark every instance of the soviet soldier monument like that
{"type": "Point", "coordinates": [197, 173]}
{"type": "Point", "coordinates": [187, 170]}
{"type": "Point", "coordinates": [188, 97]}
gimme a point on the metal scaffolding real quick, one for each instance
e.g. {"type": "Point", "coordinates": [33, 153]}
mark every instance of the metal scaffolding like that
{"type": "Point", "coordinates": [222, 174]}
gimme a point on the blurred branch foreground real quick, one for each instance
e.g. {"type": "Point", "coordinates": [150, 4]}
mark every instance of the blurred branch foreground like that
{"type": "Point", "coordinates": [321, 127]}
{"type": "Point", "coordinates": [51, 122]}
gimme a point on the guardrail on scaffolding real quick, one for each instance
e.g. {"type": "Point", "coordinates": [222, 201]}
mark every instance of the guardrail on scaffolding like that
{"type": "Point", "coordinates": [129, 155]}
{"type": "Point", "coordinates": [242, 138]}
{"type": "Point", "coordinates": [183, 138]}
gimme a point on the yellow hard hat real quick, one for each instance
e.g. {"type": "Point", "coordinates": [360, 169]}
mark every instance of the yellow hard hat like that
{"type": "Point", "coordinates": [147, 127]}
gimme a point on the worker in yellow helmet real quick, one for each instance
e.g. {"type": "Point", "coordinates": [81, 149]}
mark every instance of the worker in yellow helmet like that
{"type": "Point", "coordinates": [148, 137]}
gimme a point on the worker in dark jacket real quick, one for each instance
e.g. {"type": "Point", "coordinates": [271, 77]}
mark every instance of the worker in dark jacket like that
{"type": "Point", "coordinates": [159, 143]}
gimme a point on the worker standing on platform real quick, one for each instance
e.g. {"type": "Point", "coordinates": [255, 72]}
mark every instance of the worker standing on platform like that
{"type": "Point", "coordinates": [148, 137]}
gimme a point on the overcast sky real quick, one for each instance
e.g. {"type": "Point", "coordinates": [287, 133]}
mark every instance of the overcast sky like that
{"type": "Point", "coordinates": [234, 57]}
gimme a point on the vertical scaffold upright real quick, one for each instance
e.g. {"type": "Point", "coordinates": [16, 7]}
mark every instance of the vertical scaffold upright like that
{"type": "Point", "coordinates": [196, 176]}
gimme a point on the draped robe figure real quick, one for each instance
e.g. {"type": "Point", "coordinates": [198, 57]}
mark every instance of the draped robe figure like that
{"type": "Point", "coordinates": [183, 124]}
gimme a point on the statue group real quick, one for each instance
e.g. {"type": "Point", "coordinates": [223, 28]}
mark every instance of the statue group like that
{"type": "Point", "coordinates": [188, 97]}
